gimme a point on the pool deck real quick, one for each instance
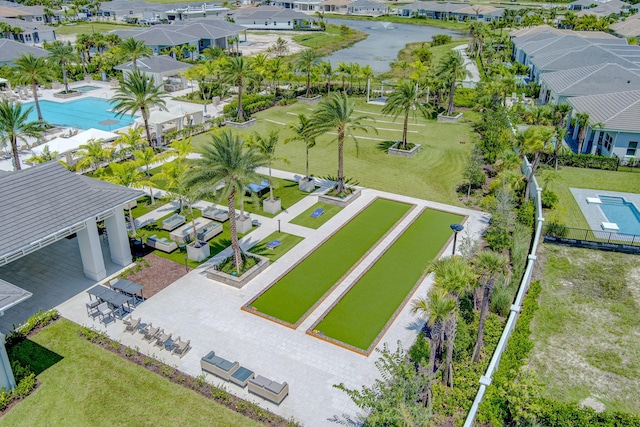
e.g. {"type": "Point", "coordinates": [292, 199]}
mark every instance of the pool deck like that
{"type": "Point", "coordinates": [592, 211]}
{"type": "Point", "coordinates": [208, 313]}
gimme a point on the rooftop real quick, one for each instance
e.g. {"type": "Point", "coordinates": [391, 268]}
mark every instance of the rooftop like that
{"type": "Point", "coordinates": [591, 80]}
{"type": "Point", "coordinates": [616, 111]}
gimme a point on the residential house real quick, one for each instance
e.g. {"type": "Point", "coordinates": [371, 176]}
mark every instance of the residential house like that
{"type": "Point", "coordinates": [160, 38]}
{"type": "Point", "coordinates": [270, 18]}
{"type": "Point", "coordinates": [10, 50]}
{"type": "Point", "coordinates": [588, 4]}
{"type": "Point", "coordinates": [192, 12]}
{"type": "Point", "coordinates": [31, 32]}
{"type": "Point", "coordinates": [430, 9]}
{"type": "Point", "coordinates": [334, 6]}
{"type": "Point", "coordinates": [367, 7]}
{"type": "Point", "coordinates": [628, 27]}
{"type": "Point", "coordinates": [163, 69]}
{"type": "Point", "coordinates": [603, 10]}
{"type": "Point", "coordinates": [556, 87]}
{"type": "Point", "coordinates": [213, 32]}
{"type": "Point", "coordinates": [614, 128]}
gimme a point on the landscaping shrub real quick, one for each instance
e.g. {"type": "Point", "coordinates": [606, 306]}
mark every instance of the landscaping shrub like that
{"type": "Point", "coordinates": [440, 39]}
{"type": "Point", "coordinates": [250, 103]}
{"type": "Point", "coordinates": [498, 239]}
{"type": "Point", "coordinates": [502, 299]}
{"type": "Point", "coordinates": [465, 97]}
{"type": "Point", "coordinates": [590, 161]}
{"type": "Point", "coordinates": [549, 199]}
{"type": "Point", "coordinates": [419, 351]}
{"type": "Point", "coordinates": [39, 319]}
{"type": "Point", "coordinates": [526, 213]}
{"type": "Point", "coordinates": [555, 229]}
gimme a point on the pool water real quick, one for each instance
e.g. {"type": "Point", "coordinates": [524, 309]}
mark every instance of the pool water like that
{"type": "Point", "coordinates": [85, 88]}
{"type": "Point", "coordinates": [84, 114]}
{"type": "Point", "coordinates": [622, 213]}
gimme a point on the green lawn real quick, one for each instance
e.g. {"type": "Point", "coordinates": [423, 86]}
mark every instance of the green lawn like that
{"type": "Point", "coordinates": [83, 385]}
{"type": "Point", "coordinates": [92, 27]}
{"type": "Point", "coordinates": [585, 333]}
{"type": "Point", "coordinates": [627, 182]}
{"type": "Point", "coordinates": [364, 311]}
{"type": "Point", "coordinates": [305, 219]}
{"type": "Point", "coordinates": [433, 174]}
{"type": "Point", "coordinates": [144, 206]}
{"type": "Point", "coordinates": [288, 242]}
{"type": "Point", "coordinates": [294, 294]}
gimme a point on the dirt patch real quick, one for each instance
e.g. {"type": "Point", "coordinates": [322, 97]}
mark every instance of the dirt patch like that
{"type": "Point", "coordinates": [261, 42]}
{"type": "Point", "coordinates": [160, 274]}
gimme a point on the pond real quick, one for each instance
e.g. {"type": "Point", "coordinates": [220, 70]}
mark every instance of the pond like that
{"type": "Point", "coordinates": [385, 40]}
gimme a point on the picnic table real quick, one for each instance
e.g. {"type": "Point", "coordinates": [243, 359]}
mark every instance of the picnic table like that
{"type": "Point", "coordinates": [129, 288]}
{"type": "Point", "coordinates": [261, 189]}
{"type": "Point", "coordinates": [113, 298]}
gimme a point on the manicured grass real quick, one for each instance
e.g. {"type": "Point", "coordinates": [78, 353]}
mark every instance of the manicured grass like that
{"type": "Point", "coordinates": [305, 219]}
{"type": "Point", "coordinates": [288, 242]}
{"type": "Point", "coordinates": [627, 182]}
{"type": "Point", "coordinates": [295, 293]}
{"type": "Point", "coordinates": [286, 191]}
{"type": "Point", "coordinates": [585, 333]}
{"type": "Point", "coordinates": [364, 311]}
{"type": "Point", "coordinates": [92, 27]}
{"type": "Point", "coordinates": [144, 206]}
{"type": "Point", "coordinates": [85, 385]}
{"type": "Point", "coordinates": [450, 25]}
{"type": "Point", "coordinates": [433, 174]}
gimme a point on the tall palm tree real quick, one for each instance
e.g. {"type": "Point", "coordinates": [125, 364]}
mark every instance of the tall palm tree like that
{"type": "Point", "coordinates": [267, 146]}
{"type": "Point", "coordinates": [302, 132]}
{"type": "Point", "coordinates": [582, 121]}
{"type": "Point", "coordinates": [15, 126]}
{"type": "Point", "coordinates": [274, 69]}
{"type": "Point", "coordinates": [436, 308]}
{"type": "Point", "coordinates": [239, 72]}
{"type": "Point", "coordinates": [336, 114]}
{"type": "Point", "coordinates": [306, 62]}
{"type": "Point", "coordinates": [227, 161]}
{"type": "Point", "coordinates": [451, 69]}
{"type": "Point", "coordinates": [137, 92]}
{"type": "Point", "coordinates": [490, 265]}
{"type": "Point", "coordinates": [327, 71]}
{"type": "Point", "coordinates": [133, 50]}
{"type": "Point", "coordinates": [62, 54]}
{"type": "Point", "coordinates": [33, 71]}
{"type": "Point", "coordinates": [534, 141]}
{"type": "Point", "coordinates": [405, 100]}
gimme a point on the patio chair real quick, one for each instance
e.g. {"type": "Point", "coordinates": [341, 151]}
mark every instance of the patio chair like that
{"type": "Point", "coordinates": [92, 308]}
{"type": "Point", "coordinates": [181, 347]}
{"type": "Point", "coordinates": [273, 244]}
{"type": "Point", "coordinates": [131, 324]}
{"type": "Point", "coordinates": [317, 213]}
{"type": "Point", "coordinates": [150, 332]}
{"type": "Point", "coordinates": [105, 311]}
{"type": "Point", "coordinates": [162, 338]}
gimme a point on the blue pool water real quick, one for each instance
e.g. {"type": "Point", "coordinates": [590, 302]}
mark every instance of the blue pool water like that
{"type": "Point", "coordinates": [85, 88]}
{"type": "Point", "coordinates": [621, 212]}
{"type": "Point", "coordinates": [84, 113]}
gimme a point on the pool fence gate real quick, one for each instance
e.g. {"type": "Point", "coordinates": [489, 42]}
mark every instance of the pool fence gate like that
{"type": "Point", "coordinates": [594, 239]}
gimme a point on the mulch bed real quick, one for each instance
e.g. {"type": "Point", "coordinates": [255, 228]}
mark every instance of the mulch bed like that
{"type": "Point", "coordinates": [161, 273]}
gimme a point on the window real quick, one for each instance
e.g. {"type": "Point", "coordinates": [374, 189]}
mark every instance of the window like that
{"type": "Point", "coordinates": [27, 37]}
{"type": "Point", "coordinates": [607, 142]}
{"type": "Point", "coordinates": [631, 149]}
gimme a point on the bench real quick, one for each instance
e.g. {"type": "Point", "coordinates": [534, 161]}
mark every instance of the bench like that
{"type": "Point", "coordinates": [317, 213]}
{"type": "Point", "coordinates": [218, 366]}
{"type": "Point", "coordinates": [173, 222]}
{"type": "Point", "coordinates": [162, 244]}
{"type": "Point", "coordinates": [267, 389]}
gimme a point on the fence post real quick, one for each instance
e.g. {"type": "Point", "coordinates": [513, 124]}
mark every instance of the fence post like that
{"type": "Point", "coordinates": [586, 234]}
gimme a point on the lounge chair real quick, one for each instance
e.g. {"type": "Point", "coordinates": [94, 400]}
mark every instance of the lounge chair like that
{"type": "Point", "coordinates": [273, 244]}
{"type": "Point", "coordinates": [131, 324]}
{"type": "Point", "coordinates": [173, 222]}
{"type": "Point", "coordinates": [209, 232]}
{"type": "Point", "coordinates": [218, 366]}
{"type": "Point", "coordinates": [105, 311]}
{"type": "Point", "coordinates": [162, 338]}
{"type": "Point", "coordinates": [317, 213]}
{"type": "Point", "coordinates": [181, 347]}
{"type": "Point", "coordinates": [150, 333]}
{"type": "Point", "coordinates": [216, 214]}
{"type": "Point", "coordinates": [270, 390]}
{"type": "Point", "coordinates": [162, 244]}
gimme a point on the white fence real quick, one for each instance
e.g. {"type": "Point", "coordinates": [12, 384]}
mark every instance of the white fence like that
{"type": "Point", "coordinates": [535, 193]}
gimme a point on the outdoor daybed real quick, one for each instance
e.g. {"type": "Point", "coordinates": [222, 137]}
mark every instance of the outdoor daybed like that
{"type": "Point", "coordinates": [162, 244]}
{"type": "Point", "coordinates": [216, 214]}
{"type": "Point", "coordinates": [269, 390]}
{"type": "Point", "coordinates": [209, 231]}
{"type": "Point", "coordinates": [174, 221]}
{"type": "Point", "coordinates": [218, 366]}
{"type": "Point", "coordinates": [187, 233]}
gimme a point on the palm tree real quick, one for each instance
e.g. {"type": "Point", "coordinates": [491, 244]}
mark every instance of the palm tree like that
{"type": "Point", "coordinates": [227, 161]}
{"type": "Point", "coordinates": [306, 62]}
{"type": "Point", "coordinates": [93, 154]}
{"type": "Point", "coordinates": [302, 132]}
{"type": "Point", "coordinates": [15, 126]}
{"type": "Point", "coordinates": [451, 69]}
{"type": "Point", "coordinates": [267, 146]}
{"type": "Point", "coordinates": [137, 92]}
{"type": "Point", "coordinates": [146, 158]}
{"type": "Point", "coordinates": [128, 175]}
{"type": "Point", "coordinates": [62, 54]}
{"type": "Point", "coordinates": [129, 141]}
{"type": "Point", "coordinates": [405, 100]}
{"type": "Point", "coordinates": [133, 50]}
{"type": "Point", "coordinates": [327, 71]}
{"type": "Point", "coordinates": [582, 121]}
{"type": "Point", "coordinates": [534, 141]}
{"type": "Point", "coordinates": [172, 176]}
{"type": "Point", "coordinates": [335, 114]}
{"type": "Point", "coordinates": [32, 71]}
{"type": "Point", "coordinates": [490, 265]}
{"type": "Point", "coordinates": [239, 71]}
{"type": "Point", "coordinates": [436, 308]}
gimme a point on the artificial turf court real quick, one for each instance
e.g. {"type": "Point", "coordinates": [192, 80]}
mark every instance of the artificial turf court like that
{"type": "Point", "coordinates": [362, 313]}
{"type": "Point", "coordinates": [291, 297]}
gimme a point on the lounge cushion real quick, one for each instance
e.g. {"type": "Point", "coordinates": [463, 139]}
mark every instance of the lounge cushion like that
{"type": "Point", "coordinates": [275, 387]}
{"type": "Point", "coordinates": [261, 381]}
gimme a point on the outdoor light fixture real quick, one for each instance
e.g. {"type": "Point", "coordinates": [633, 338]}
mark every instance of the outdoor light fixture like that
{"type": "Point", "coordinates": [456, 229]}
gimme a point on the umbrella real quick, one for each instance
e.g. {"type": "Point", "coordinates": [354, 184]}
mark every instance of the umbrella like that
{"type": "Point", "coordinates": [109, 122]}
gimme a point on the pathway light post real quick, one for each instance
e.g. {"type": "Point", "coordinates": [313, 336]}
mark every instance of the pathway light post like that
{"type": "Point", "coordinates": [456, 229]}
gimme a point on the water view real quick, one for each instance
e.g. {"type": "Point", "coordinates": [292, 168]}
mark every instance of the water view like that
{"type": "Point", "coordinates": [385, 40]}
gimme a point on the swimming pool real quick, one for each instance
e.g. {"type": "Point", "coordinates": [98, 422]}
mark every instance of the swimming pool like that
{"type": "Point", "coordinates": [86, 88]}
{"type": "Point", "coordinates": [84, 113]}
{"type": "Point", "coordinates": [623, 213]}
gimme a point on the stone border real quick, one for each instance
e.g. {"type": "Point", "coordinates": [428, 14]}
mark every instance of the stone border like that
{"type": "Point", "coordinates": [239, 282]}
{"type": "Point", "coordinates": [442, 118]}
{"type": "Point", "coordinates": [309, 101]}
{"type": "Point", "coordinates": [396, 313]}
{"type": "Point", "coordinates": [248, 306]}
{"type": "Point", "coordinates": [337, 201]}
{"type": "Point", "coordinates": [393, 151]}
{"type": "Point", "coordinates": [71, 94]}
{"type": "Point", "coordinates": [241, 125]}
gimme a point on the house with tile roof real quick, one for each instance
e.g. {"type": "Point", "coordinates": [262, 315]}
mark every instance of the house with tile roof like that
{"type": "Point", "coordinates": [31, 32]}
{"type": "Point", "coordinates": [614, 128]}
{"type": "Point", "coordinates": [10, 50]}
{"type": "Point", "coordinates": [270, 18]}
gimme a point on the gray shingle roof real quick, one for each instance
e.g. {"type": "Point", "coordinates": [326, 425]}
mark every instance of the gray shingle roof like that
{"type": "Point", "coordinates": [581, 57]}
{"type": "Point", "coordinates": [156, 64]}
{"type": "Point", "coordinates": [10, 50]}
{"type": "Point", "coordinates": [592, 80]}
{"type": "Point", "coordinates": [11, 295]}
{"type": "Point", "coordinates": [616, 111]}
{"type": "Point", "coordinates": [164, 37]}
{"type": "Point", "coordinates": [42, 200]}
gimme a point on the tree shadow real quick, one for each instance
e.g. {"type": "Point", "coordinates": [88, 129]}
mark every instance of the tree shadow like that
{"type": "Point", "coordinates": [385, 145]}
{"type": "Point", "coordinates": [33, 355]}
{"type": "Point", "coordinates": [219, 245]}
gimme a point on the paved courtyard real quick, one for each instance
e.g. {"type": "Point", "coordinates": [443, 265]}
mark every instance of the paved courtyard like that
{"type": "Point", "coordinates": [208, 313]}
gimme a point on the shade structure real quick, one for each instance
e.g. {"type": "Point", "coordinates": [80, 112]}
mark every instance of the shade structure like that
{"type": "Point", "coordinates": [59, 145]}
{"type": "Point", "coordinates": [95, 134]}
{"type": "Point", "coordinates": [162, 121]}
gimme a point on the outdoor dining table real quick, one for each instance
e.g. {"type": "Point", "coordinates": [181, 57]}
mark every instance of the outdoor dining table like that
{"type": "Point", "coordinates": [128, 287]}
{"type": "Point", "coordinates": [115, 299]}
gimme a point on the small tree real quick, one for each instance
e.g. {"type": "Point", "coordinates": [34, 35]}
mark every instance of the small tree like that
{"type": "Point", "coordinates": [473, 172]}
{"type": "Point", "coordinates": [267, 146]}
{"type": "Point", "coordinates": [302, 132]}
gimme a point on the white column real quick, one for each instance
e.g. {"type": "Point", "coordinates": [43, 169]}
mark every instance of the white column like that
{"type": "Point", "coordinates": [118, 238]}
{"type": "Point", "coordinates": [7, 381]}
{"type": "Point", "coordinates": [91, 252]}
{"type": "Point", "coordinates": [594, 146]}
{"type": "Point", "coordinates": [576, 129]}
